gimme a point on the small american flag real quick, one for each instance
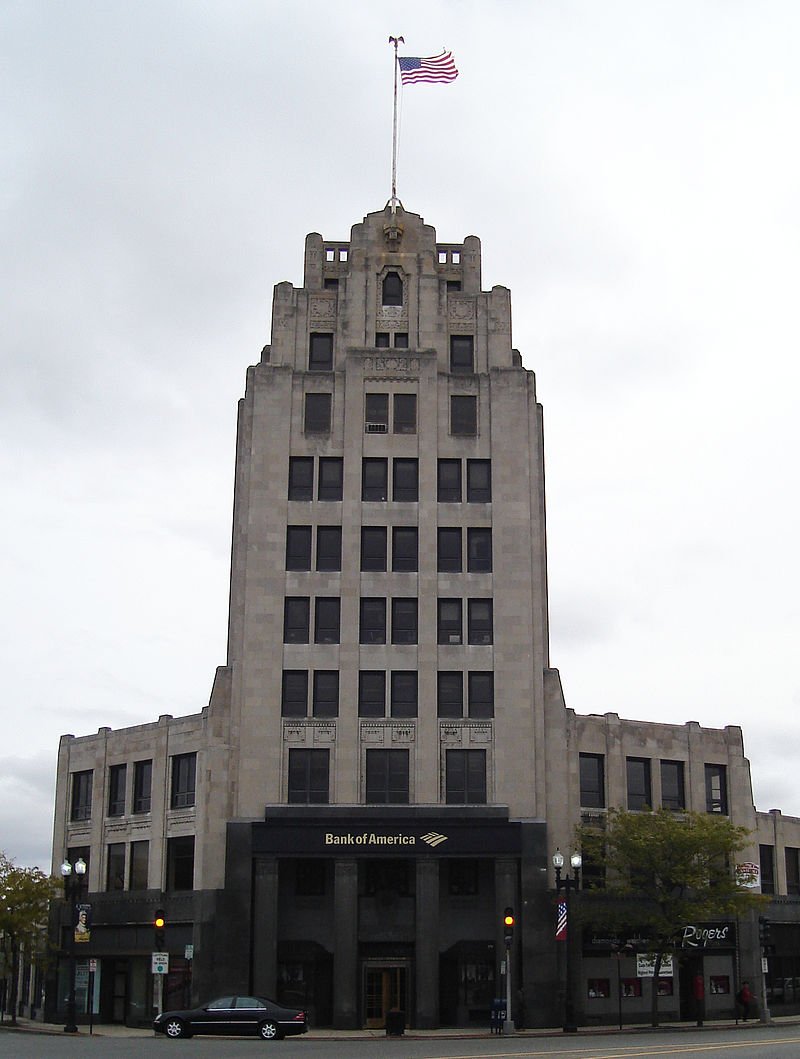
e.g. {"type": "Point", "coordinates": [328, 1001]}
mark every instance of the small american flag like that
{"type": "Point", "coordinates": [561, 921]}
{"type": "Point", "coordinates": [437, 68]}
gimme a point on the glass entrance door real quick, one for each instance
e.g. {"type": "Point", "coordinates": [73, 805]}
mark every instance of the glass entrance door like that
{"type": "Point", "coordinates": [385, 989]}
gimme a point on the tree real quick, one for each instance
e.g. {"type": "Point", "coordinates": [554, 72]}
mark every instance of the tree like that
{"type": "Point", "coordinates": [25, 895]}
{"type": "Point", "coordinates": [670, 869]}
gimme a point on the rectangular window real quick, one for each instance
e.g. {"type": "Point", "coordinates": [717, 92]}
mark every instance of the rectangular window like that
{"type": "Point", "coordinates": [373, 547]}
{"type": "Point", "coordinates": [592, 781]}
{"type": "Point", "coordinates": [320, 351]}
{"type": "Point", "coordinates": [479, 481]}
{"type": "Point", "coordinates": [184, 769]}
{"type": "Point", "coordinates": [449, 621]}
{"type": "Point", "coordinates": [180, 863]}
{"type": "Point", "coordinates": [462, 354]}
{"type": "Point", "coordinates": [638, 773]}
{"type": "Point", "coordinates": [673, 792]}
{"type": "Point", "coordinates": [448, 481]}
{"type": "Point", "coordinates": [117, 775]}
{"type": "Point", "coordinates": [450, 693]}
{"type": "Point", "coordinates": [81, 804]}
{"type": "Point", "coordinates": [716, 789]}
{"type": "Point", "coordinates": [308, 777]}
{"type": "Point", "coordinates": [298, 547]}
{"type": "Point", "coordinates": [404, 693]}
{"type": "Point", "coordinates": [331, 475]}
{"type": "Point", "coordinates": [463, 415]}
{"type": "Point", "coordinates": [294, 693]}
{"type": "Point", "coordinates": [376, 413]}
{"type": "Point", "coordinates": [401, 340]}
{"type": "Point", "coordinates": [405, 413]}
{"type": "Point", "coordinates": [465, 777]}
{"type": "Point", "coordinates": [326, 619]}
{"type": "Point", "coordinates": [448, 550]}
{"type": "Point", "coordinates": [479, 550]}
{"type": "Point", "coordinates": [481, 694]}
{"type": "Point", "coordinates": [404, 619]}
{"type": "Point", "coordinates": [142, 783]}
{"type": "Point", "coordinates": [374, 479]}
{"type": "Point", "coordinates": [382, 340]}
{"type": "Point", "coordinates": [372, 620]}
{"type": "Point", "coordinates": [405, 480]}
{"type": "Point", "coordinates": [139, 866]}
{"type": "Point", "coordinates": [326, 693]}
{"type": "Point", "coordinates": [387, 777]}
{"type": "Point", "coordinates": [318, 413]}
{"type": "Point", "coordinates": [767, 859]}
{"type": "Point", "coordinates": [301, 477]}
{"type": "Point", "coordinates": [296, 617]}
{"type": "Point", "coordinates": [329, 547]}
{"type": "Point", "coordinates": [372, 693]}
{"type": "Point", "coordinates": [792, 871]}
{"type": "Point", "coordinates": [405, 548]}
{"type": "Point", "coordinates": [479, 621]}
{"type": "Point", "coordinates": [115, 866]}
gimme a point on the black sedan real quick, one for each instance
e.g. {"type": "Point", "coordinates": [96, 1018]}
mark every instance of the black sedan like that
{"type": "Point", "coordinates": [234, 1015]}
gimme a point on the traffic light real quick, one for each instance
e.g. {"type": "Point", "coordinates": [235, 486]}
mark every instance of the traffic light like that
{"type": "Point", "coordinates": [764, 930]}
{"type": "Point", "coordinates": [159, 930]}
{"type": "Point", "coordinates": [508, 925]}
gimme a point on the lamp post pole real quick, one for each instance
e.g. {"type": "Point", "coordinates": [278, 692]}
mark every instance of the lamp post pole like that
{"type": "Point", "coordinates": [72, 875]}
{"type": "Point", "coordinates": [568, 883]}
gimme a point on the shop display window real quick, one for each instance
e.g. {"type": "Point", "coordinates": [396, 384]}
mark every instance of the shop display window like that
{"type": "Point", "coordinates": [665, 987]}
{"type": "Point", "coordinates": [598, 988]}
{"type": "Point", "coordinates": [631, 987]}
{"type": "Point", "coordinates": [720, 983]}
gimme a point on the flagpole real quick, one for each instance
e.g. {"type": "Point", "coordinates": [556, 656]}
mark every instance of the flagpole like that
{"type": "Point", "coordinates": [395, 41]}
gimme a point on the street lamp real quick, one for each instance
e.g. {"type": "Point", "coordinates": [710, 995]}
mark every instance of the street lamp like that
{"type": "Point", "coordinates": [567, 884]}
{"type": "Point", "coordinates": [72, 875]}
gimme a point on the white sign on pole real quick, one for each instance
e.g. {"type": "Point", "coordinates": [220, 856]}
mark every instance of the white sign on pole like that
{"type": "Point", "coordinates": [646, 965]}
{"type": "Point", "coordinates": [160, 963]}
{"type": "Point", "coordinates": [188, 952]}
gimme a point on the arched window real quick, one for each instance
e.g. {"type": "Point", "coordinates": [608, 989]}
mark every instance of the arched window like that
{"type": "Point", "coordinates": [392, 289]}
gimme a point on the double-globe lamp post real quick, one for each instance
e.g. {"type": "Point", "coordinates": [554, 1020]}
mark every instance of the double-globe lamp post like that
{"type": "Point", "coordinates": [72, 875]}
{"type": "Point", "coordinates": [568, 883]}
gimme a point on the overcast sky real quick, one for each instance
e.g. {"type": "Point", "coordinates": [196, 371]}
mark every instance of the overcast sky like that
{"type": "Point", "coordinates": [632, 169]}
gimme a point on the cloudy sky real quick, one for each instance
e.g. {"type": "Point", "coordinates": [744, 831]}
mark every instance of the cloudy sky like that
{"type": "Point", "coordinates": [632, 170]}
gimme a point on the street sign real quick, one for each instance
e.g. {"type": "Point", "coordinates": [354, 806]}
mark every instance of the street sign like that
{"type": "Point", "coordinates": [188, 952]}
{"type": "Point", "coordinates": [92, 966]}
{"type": "Point", "coordinates": [160, 963]}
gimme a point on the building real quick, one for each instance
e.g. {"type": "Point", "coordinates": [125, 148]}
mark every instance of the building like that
{"type": "Point", "coordinates": [386, 762]}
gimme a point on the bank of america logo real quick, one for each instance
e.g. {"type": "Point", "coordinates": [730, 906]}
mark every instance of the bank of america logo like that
{"type": "Point", "coordinates": [433, 838]}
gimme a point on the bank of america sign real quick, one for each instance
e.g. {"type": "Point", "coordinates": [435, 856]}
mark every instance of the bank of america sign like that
{"type": "Point", "coordinates": [370, 838]}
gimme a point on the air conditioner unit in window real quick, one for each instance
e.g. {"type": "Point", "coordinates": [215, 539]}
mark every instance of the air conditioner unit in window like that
{"type": "Point", "coordinates": [377, 428]}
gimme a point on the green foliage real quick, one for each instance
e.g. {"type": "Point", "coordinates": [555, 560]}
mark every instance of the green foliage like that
{"type": "Point", "coordinates": [25, 895]}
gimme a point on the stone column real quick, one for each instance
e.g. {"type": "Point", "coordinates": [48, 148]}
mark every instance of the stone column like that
{"type": "Point", "coordinates": [427, 945]}
{"type": "Point", "coordinates": [265, 923]}
{"type": "Point", "coordinates": [345, 953]}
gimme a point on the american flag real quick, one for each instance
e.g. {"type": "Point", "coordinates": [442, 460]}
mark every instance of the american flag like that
{"type": "Point", "coordinates": [437, 68]}
{"type": "Point", "coordinates": [561, 921]}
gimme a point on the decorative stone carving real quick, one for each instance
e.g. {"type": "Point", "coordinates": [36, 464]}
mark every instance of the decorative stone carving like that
{"type": "Point", "coordinates": [322, 308]}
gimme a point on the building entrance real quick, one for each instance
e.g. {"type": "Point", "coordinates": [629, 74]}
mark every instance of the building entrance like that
{"type": "Point", "coordinates": [385, 988]}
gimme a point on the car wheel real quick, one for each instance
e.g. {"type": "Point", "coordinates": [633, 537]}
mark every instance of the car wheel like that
{"type": "Point", "coordinates": [269, 1031]}
{"type": "Point", "coordinates": [175, 1028]}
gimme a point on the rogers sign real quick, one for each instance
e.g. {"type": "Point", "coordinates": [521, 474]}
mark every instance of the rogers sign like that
{"type": "Point", "coordinates": [699, 937]}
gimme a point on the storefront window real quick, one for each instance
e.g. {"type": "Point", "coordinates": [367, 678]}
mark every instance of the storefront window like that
{"type": "Point", "coordinates": [598, 988]}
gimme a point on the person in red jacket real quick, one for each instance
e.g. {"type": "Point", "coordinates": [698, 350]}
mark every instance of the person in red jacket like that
{"type": "Point", "coordinates": [745, 999]}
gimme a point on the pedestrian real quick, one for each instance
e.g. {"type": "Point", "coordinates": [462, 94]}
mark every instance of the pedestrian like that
{"type": "Point", "coordinates": [744, 999]}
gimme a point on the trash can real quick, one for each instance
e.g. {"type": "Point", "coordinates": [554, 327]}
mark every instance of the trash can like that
{"type": "Point", "coordinates": [395, 1023]}
{"type": "Point", "coordinates": [497, 1015]}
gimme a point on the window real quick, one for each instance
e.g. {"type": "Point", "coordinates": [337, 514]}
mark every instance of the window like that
{"type": "Point", "coordinates": [298, 547]}
{"type": "Point", "coordinates": [139, 866]}
{"type": "Point", "coordinates": [374, 479]}
{"type": "Point", "coordinates": [673, 794]}
{"type": "Point", "coordinates": [479, 550]}
{"type": "Point", "coordinates": [463, 415]}
{"type": "Point", "coordinates": [326, 619]}
{"type": "Point", "coordinates": [180, 863]}
{"type": "Point", "coordinates": [142, 782]}
{"type": "Point", "coordinates": [382, 340]}
{"type": "Point", "coordinates": [462, 878]}
{"type": "Point", "coordinates": [331, 473]}
{"type": "Point", "coordinates": [81, 805]}
{"type": "Point", "coordinates": [184, 768]}
{"type": "Point", "coordinates": [376, 413]}
{"type": "Point", "coordinates": [387, 777]}
{"type": "Point", "coordinates": [479, 621]}
{"type": "Point", "coordinates": [767, 859]}
{"type": "Point", "coordinates": [638, 771]}
{"type": "Point", "coordinates": [329, 547]}
{"type": "Point", "coordinates": [481, 694]}
{"type": "Point", "coordinates": [592, 780]}
{"type": "Point", "coordinates": [405, 548]}
{"type": "Point", "coordinates": [598, 988]}
{"type": "Point", "coordinates": [449, 621]}
{"type": "Point", "coordinates": [115, 866]}
{"type": "Point", "coordinates": [372, 620]}
{"type": "Point", "coordinates": [326, 693]}
{"type": "Point", "coordinates": [405, 480]}
{"type": "Point", "coordinates": [309, 878]}
{"type": "Point", "coordinates": [792, 856]}
{"type": "Point", "coordinates": [401, 340]}
{"type": "Point", "coordinates": [450, 693]}
{"type": "Point", "coordinates": [294, 693]}
{"type": "Point", "coordinates": [448, 550]}
{"type": "Point", "coordinates": [116, 790]}
{"type": "Point", "coordinates": [308, 777]}
{"type": "Point", "coordinates": [465, 777]}
{"type": "Point", "coordinates": [449, 482]}
{"type": "Point", "coordinates": [330, 283]}
{"type": "Point", "coordinates": [462, 354]}
{"type": "Point", "coordinates": [479, 481]}
{"type": "Point", "coordinates": [301, 477]}
{"type": "Point", "coordinates": [404, 420]}
{"type": "Point", "coordinates": [318, 413]}
{"type": "Point", "coordinates": [373, 547]}
{"type": "Point", "coordinates": [296, 611]}
{"type": "Point", "coordinates": [392, 289]}
{"type": "Point", "coordinates": [453, 286]}
{"type": "Point", "coordinates": [320, 352]}
{"type": "Point", "coordinates": [371, 693]}
{"type": "Point", "coordinates": [404, 693]}
{"type": "Point", "coordinates": [716, 789]}
{"type": "Point", "coordinates": [404, 619]}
